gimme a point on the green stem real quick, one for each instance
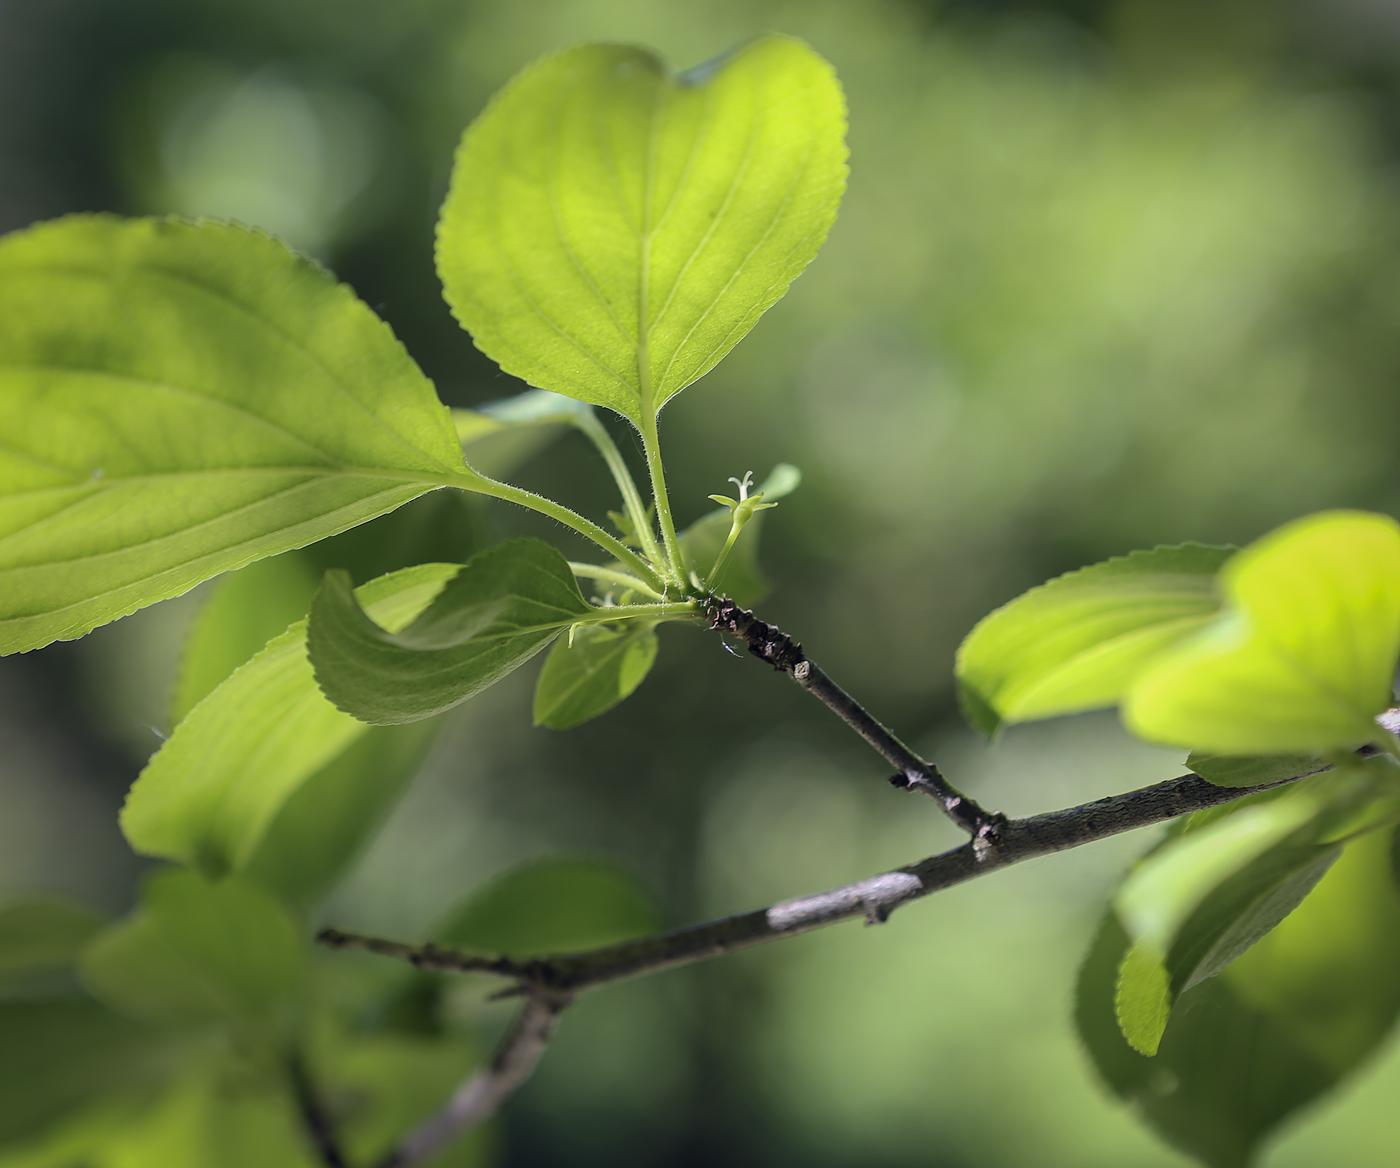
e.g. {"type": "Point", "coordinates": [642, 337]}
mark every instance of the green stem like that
{"type": "Point", "coordinates": [610, 544]}
{"type": "Point", "coordinates": [631, 498]}
{"type": "Point", "coordinates": [734, 530]}
{"type": "Point", "coordinates": [612, 576]}
{"type": "Point", "coordinates": [652, 445]}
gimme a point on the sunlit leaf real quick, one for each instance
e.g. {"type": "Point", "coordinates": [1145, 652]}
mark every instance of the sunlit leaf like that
{"type": "Point", "coordinates": [179, 399]}
{"type": "Point", "coordinates": [330, 817]}
{"type": "Point", "coordinates": [1077, 642]}
{"type": "Point", "coordinates": [613, 228]}
{"type": "Point", "coordinates": [551, 906]}
{"type": "Point", "coordinates": [246, 610]}
{"type": "Point", "coordinates": [198, 952]}
{"type": "Point", "coordinates": [1159, 895]}
{"type": "Point", "coordinates": [600, 668]}
{"type": "Point", "coordinates": [1213, 889]}
{"type": "Point", "coordinates": [1303, 656]}
{"type": "Point", "coordinates": [498, 611]}
{"type": "Point", "coordinates": [212, 791]}
{"type": "Point", "coordinates": [1272, 1031]}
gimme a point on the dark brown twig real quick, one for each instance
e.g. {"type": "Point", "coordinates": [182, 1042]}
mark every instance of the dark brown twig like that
{"type": "Point", "coordinates": [874, 899]}
{"type": "Point", "coordinates": [769, 643]}
{"type": "Point", "coordinates": [313, 1115]}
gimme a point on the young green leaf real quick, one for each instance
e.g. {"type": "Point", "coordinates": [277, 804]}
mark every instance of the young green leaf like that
{"type": "Point", "coordinates": [498, 611]}
{"type": "Point", "coordinates": [589, 677]}
{"type": "Point", "coordinates": [1077, 642]}
{"type": "Point", "coordinates": [1303, 656]}
{"type": "Point", "coordinates": [740, 577]}
{"type": "Point", "coordinates": [199, 952]}
{"type": "Point", "coordinates": [613, 229]}
{"type": "Point", "coordinates": [1271, 1032]}
{"type": "Point", "coordinates": [551, 906]}
{"type": "Point", "coordinates": [212, 791]}
{"type": "Point", "coordinates": [179, 399]}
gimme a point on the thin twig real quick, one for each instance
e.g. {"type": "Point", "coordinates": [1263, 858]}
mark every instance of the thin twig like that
{"type": "Point", "coordinates": [771, 644]}
{"type": "Point", "coordinates": [313, 1115]}
{"type": "Point", "coordinates": [481, 1096]}
{"type": "Point", "coordinates": [874, 899]}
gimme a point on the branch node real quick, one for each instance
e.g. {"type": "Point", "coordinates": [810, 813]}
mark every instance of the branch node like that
{"type": "Point", "coordinates": [901, 781]}
{"type": "Point", "coordinates": [877, 914]}
{"type": "Point", "coordinates": [988, 835]}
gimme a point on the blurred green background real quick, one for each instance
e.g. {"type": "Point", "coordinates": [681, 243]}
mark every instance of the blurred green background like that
{"type": "Point", "coordinates": [1109, 274]}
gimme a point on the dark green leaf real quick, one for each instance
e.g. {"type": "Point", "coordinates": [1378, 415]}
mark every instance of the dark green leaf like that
{"type": "Point", "coordinates": [211, 792]}
{"type": "Point", "coordinates": [501, 608]}
{"type": "Point", "coordinates": [180, 399]}
{"type": "Point", "coordinates": [741, 579]}
{"type": "Point", "coordinates": [199, 952]}
{"type": "Point", "coordinates": [40, 938]}
{"type": "Point", "coordinates": [613, 229]}
{"type": "Point", "coordinates": [1302, 658]}
{"type": "Point", "coordinates": [1250, 770]}
{"type": "Point", "coordinates": [600, 668]}
{"type": "Point", "coordinates": [1077, 642]}
{"type": "Point", "coordinates": [551, 906]}
{"type": "Point", "coordinates": [61, 1055]}
{"type": "Point", "coordinates": [1271, 1032]}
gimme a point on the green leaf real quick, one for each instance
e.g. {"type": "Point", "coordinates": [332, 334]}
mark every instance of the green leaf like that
{"type": "Point", "coordinates": [1302, 657]}
{"type": "Point", "coordinates": [213, 790]}
{"type": "Point", "coordinates": [552, 906]}
{"type": "Point", "coordinates": [613, 229]}
{"type": "Point", "coordinates": [1077, 642]}
{"type": "Point", "coordinates": [498, 611]}
{"type": "Point", "coordinates": [498, 436]}
{"type": "Point", "coordinates": [1142, 1000]}
{"type": "Point", "coordinates": [246, 609]}
{"type": "Point", "coordinates": [200, 952]}
{"type": "Point", "coordinates": [1159, 895]}
{"type": "Point", "coordinates": [39, 938]}
{"type": "Point", "coordinates": [1252, 770]}
{"type": "Point", "coordinates": [1205, 896]}
{"type": "Point", "coordinates": [741, 579]}
{"type": "Point", "coordinates": [387, 1084]}
{"type": "Point", "coordinates": [600, 668]}
{"type": "Point", "coordinates": [61, 1055]}
{"type": "Point", "coordinates": [327, 821]}
{"type": "Point", "coordinates": [179, 399]}
{"type": "Point", "coordinates": [1273, 1031]}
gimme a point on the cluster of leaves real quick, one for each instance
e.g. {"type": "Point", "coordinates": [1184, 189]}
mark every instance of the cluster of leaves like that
{"type": "Point", "coordinates": [1243, 966]}
{"type": "Point", "coordinates": [182, 400]}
